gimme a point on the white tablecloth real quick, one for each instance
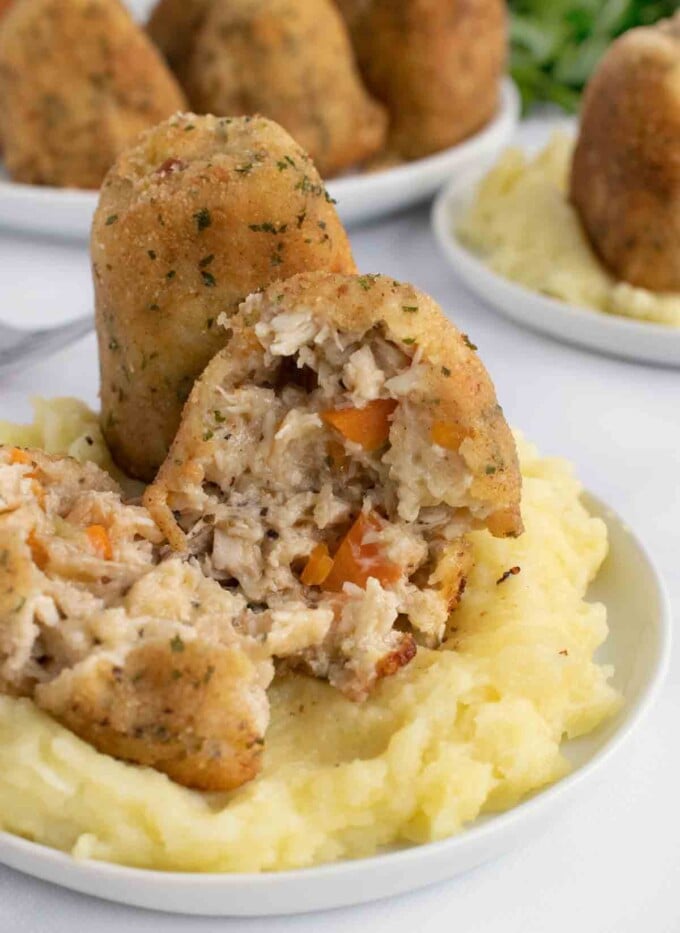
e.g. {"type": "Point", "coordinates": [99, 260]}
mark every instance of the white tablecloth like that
{"type": "Point", "coordinates": [612, 861]}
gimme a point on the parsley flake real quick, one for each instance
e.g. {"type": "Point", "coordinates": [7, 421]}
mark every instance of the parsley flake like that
{"type": "Point", "coordinates": [203, 219]}
{"type": "Point", "coordinates": [176, 644]}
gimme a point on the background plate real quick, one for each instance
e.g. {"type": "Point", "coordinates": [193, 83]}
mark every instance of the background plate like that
{"type": "Point", "coordinates": [67, 212]}
{"type": "Point", "coordinates": [611, 334]}
{"type": "Point", "coordinates": [638, 646]}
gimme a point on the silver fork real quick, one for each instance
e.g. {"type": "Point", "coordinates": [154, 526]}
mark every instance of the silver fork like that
{"type": "Point", "coordinates": [19, 348]}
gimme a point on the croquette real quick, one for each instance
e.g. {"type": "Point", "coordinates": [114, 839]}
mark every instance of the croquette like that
{"type": "Point", "coordinates": [79, 80]}
{"type": "Point", "coordinates": [435, 64]}
{"type": "Point", "coordinates": [196, 216]}
{"type": "Point", "coordinates": [328, 466]}
{"type": "Point", "coordinates": [290, 60]}
{"type": "Point", "coordinates": [625, 178]}
{"type": "Point", "coordinates": [135, 652]}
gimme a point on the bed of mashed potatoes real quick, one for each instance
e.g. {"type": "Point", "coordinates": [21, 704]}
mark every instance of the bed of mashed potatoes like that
{"type": "Point", "coordinates": [457, 733]}
{"type": "Point", "coordinates": [522, 225]}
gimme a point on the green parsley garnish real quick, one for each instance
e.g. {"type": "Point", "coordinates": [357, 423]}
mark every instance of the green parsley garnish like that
{"type": "Point", "coordinates": [111, 219]}
{"type": "Point", "coordinates": [205, 262]}
{"type": "Point", "coordinates": [446, 371]}
{"type": "Point", "coordinates": [409, 309]}
{"type": "Point", "coordinates": [203, 219]}
{"type": "Point", "coordinates": [468, 342]}
{"type": "Point", "coordinates": [367, 281]}
{"type": "Point", "coordinates": [208, 279]}
{"type": "Point", "coordinates": [176, 644]}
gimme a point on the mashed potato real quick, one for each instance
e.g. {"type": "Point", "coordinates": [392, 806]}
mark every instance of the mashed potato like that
{"type": "Point", "coordinates": [455, 734]}
{"type": "Point", "coordinates": [524, 227]}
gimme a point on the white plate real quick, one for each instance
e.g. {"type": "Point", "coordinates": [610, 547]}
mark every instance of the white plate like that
{"type": "Point", "coordinates": [611, 334]}
{"type": "Point", "coordinates": [68, 212]}
{"type": "Point", "coordinates": [638, 647]}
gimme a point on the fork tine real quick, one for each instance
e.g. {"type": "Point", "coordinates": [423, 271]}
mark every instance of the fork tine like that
{"type": "Point", "coordinates": [21, 348]}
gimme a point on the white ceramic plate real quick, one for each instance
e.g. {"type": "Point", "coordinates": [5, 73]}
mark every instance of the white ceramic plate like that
{"type": "Point", "coordinates": [638, 647]}
{"type": "Point", "coordinates": [67, 212]}
{"type": "Point", "coordinates": [605, 333]}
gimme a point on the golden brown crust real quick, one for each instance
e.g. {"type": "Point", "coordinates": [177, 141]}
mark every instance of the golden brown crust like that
{"type": "Point", "coordinates": [79, 81]}
{"type": "Point", "coordinates": [625, 180]}
{"type": "Point", "coordinates": [199, 214]}
{"type": "Point", "coordinates": [455, 387]}
{"type": "Point", "coordinates": [180, 712]}
{"type": "Point", "coordinates": [435, 64]}
{"type": "Point", "coordinates": [291, 60]}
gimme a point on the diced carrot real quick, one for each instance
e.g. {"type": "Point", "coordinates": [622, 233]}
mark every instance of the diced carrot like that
{"type": "Point", "coordinates": [318, 566]}
{"type": "Point", "coordinates": [17, 455]}
{"type": "Point", "coordinates": [100, 541]}
{"type": "Point", "coordinates": [447, 434]}
{"type": "Point", "coordinates": [358, 559]}
{"type": "Point", "coordinates": [368, 426]}
{"type": "Point", "coordinates": [38, 550]}
{"type": "Point", "coordinates": [38, 492]}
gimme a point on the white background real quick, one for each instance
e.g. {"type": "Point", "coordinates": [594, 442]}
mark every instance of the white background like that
{"type": "Point", "coordinates": [609, 864]}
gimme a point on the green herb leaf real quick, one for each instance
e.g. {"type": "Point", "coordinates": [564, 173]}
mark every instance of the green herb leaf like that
{"type": "Point", "coordinates": [203, 219]}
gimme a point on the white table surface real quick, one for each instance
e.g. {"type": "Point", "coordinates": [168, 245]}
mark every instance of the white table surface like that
{"type": "Point", "coordinates": [611, 863]}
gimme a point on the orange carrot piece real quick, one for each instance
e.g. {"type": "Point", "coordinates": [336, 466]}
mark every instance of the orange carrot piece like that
{"type": "Point", "coordinates": [38, 491]}
{"type": "Point", "coordinates": [368, 426]}
{"type": "Point", "coordinates": [318, 566]}
{"type": "Point", "coordinates": [100, 541]}
{"type": "Point", "coordinates": [38, 550]}
{"type": "Point", "coordinates": [357, 559]}
{"type": "Point", "coordinates": [17, 455]}
{"type": "Point", "coordinates": [447, 434]}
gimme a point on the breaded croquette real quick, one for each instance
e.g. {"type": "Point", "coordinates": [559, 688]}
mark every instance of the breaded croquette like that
{"type": "Point", "coordinates": [625, 179]}
{"type": "Point", "coordinates": [290, 60]}
{"type": "Point", "coordinates": [435, 64]}
{"type": "Point", "coordinates": [79, 80]}
{"type": "Point", "coordinates": [201, 212]}
{"type": "Point", "coordinates": [329, 463]}
{"type": "Point", "coordinates": [137, 654]}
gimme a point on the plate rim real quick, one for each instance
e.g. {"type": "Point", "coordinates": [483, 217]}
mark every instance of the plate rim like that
{"type": "Point", "coordinates": [470, 268]}
{"type": "Point", "coordinates": [382, 181]}
{"type": "Point", "coordinates": [48, 859]}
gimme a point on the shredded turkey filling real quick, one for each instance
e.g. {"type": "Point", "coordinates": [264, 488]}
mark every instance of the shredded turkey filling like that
{"type": "Point", "coordinates": [329, 503]}
{"type": "Point", "coordinates": [130, 646]}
